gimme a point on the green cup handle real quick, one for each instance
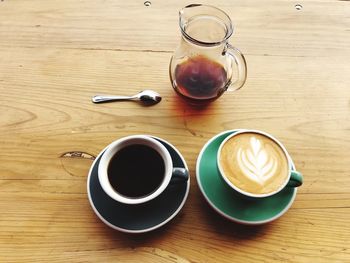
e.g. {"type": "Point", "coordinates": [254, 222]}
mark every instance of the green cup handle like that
{"type": "Point", "coordinates": [296, 179]}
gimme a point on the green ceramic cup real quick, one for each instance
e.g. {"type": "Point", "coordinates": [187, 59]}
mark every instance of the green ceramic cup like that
{"type": "Point", "coordinates": [293, 179]}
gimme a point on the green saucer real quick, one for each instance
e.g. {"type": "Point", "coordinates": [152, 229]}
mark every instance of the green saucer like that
{"type": "Point", "coordinates": [230, 204]}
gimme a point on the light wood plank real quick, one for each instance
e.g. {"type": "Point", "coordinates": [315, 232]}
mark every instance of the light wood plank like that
{"type": "Point", "coordinates": [271, 27]}
{"type": "Point", "coordinates": [54, 55]}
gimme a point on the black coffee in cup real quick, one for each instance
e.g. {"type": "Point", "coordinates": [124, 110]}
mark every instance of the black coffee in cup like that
{"type": "Point", "coordinates": [136, 170]}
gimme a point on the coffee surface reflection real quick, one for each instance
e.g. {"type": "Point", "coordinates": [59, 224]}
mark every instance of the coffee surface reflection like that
{"type": "Point", "coordinates": [136, 171]}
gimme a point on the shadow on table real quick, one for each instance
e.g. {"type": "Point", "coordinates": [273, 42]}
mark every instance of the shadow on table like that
{"type": "Point", "coordinates": [228, 228]}
{"type": "Point", "coordinates": [181, 105]}
{"type": "Point", "coordinates": [143, 239]}
{"type": "Point", "coordinates": [193, 116]}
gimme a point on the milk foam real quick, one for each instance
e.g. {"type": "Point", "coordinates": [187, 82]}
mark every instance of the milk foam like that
{"type": "Point", "coordinates": [254, 163]}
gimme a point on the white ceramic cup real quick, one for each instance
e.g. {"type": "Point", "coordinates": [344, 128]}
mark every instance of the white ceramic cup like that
{"type": "Point", "coordinates": [171, 174]}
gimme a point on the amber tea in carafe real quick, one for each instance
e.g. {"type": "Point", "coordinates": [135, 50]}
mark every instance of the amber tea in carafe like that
{"type": "Point", "coordinates": [205, 65]}
{"type": "Point", "coordinates": [200, 78]}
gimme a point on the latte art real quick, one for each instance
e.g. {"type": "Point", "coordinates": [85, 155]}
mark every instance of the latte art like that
{"type": "Point", "coordinates": [254, 163]}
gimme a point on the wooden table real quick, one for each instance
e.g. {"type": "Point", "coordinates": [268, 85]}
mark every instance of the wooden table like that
{"type": "Point", "coordinates": [54, 55]}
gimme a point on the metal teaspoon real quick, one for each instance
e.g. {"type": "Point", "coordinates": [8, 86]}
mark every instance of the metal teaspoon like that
{"type": "Point", "coordinates": [145, 96]}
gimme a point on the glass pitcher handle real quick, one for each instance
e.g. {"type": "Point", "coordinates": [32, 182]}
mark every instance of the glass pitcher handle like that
{"type": "Point", "coordinates": [239, 60]}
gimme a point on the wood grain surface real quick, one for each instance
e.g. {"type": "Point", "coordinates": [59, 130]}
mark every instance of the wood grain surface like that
{"type": "Point", "coordinates": [54, 55]}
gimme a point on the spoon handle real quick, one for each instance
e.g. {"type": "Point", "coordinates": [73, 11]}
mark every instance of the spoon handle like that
{"type": "Point", "coordinates": [108, 98]}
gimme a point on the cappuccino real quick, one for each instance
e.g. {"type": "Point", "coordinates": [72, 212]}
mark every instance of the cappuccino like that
{"type": "Point", "coordinates": [254, 163]}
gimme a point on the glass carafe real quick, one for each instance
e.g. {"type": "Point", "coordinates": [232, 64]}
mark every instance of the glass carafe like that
{"type": "Point", "coordinates": [205, 65]}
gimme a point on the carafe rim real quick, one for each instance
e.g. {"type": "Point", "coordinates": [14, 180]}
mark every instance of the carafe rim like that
{"type": "Point", "coordinates": [226, 21]}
